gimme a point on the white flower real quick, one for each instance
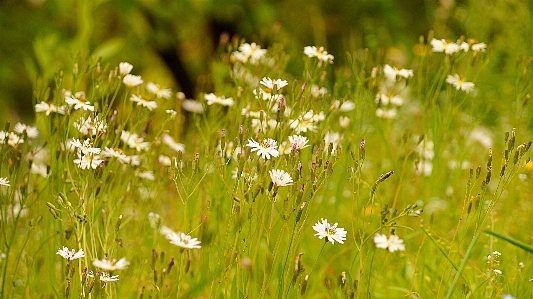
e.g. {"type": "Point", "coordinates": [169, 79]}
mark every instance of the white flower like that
{"type": "Point", "coordinates": [106, 277]}
{"type": "Point", "coordinates": [298, 142]}
{"type": "Point", "coordinates": [252, 52]}
{"type": "Point", "coordinates": [111, 265]}
{"type": "Point", "coordinates": [49, 108]}
{"type": "Point", "coordinates": [39, 169]}
{"type": "Point", "coordinates": [183, 240]}
{"type": "Point", "coordinates": [141, 101]}
{"type": "Point", "coordinates": [347, 106]}
{"type": "Point", "coordinates": [31, 132]}
{"type": "Point", "coordinates": [132, 80]}
{"type": "Point", "coordinates": [265, 147]}
{"type": "Point", "coordinates": [84, 148]}
{"type": "Point", "coordinates": [90, 127]}
{"type": "Point", "coordinates": [12, 138]}
{"type": "Point", "coordinates": [79, 101]}
{"type": "Point", "coordinates": [479, 47]}
{"type": "Point", "coordinates": [459, 83]}
{"type": "Point", "coordinates": [280, 177]}
{"type": "Point", "coordinates": [320, 53]}
{"type": "Point", "coordinates": [388, 113]}
{"type": "Point", "coordinates": [4, 182]}
{"type": "Point", "coordinates": [164, 160]}
{"type": "Point", "coordinates": [134, 141]}
{"type": "Point", "coordinates": [70, 254]}
{"type": "Point", "coordinates": [168, 140]}
{"type": "Point", "coordinates": [393, 243]}
{"type": "Point", "coordinates": [497, 272]}
{"type": "Point", "coordinates": [392, 73]}
{"type": "Point", "coordinates": [213, 99]}
{"type": "Point", "coordinates": [88, 160]}
{"type": "Point", "coordinates": [116, 153]}
{"type": "Point", "coordinates": [444, 46]}
{"type": "Point", "coordinates": [270, 84]}
{"type": "Point", "coordinates": [192, 106]}
{"type": "Point", "coordinates": [332, 232]}
{"type": "Point", "coordinates": [334, 138]}
{"type": "Point", "coordinates": [124, 68]}
{"type": "Point", "coordinates": [147, 175]}
{"type": "Point", "coordinates": [159, 91]}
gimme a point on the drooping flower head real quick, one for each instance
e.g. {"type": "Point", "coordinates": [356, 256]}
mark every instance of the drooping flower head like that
{"type": "Point", "coordinates": [280, 178]}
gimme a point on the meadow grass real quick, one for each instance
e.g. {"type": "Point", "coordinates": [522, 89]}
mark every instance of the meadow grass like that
{"type": "Point", "coordinates": [362, 180]}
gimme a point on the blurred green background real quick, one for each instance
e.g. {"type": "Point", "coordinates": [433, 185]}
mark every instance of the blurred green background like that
{"type": "Point", "coordinates": [173, 42]}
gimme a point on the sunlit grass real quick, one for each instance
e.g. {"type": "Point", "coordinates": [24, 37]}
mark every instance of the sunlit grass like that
{"type": "Point", "coordinates": [385, 184]}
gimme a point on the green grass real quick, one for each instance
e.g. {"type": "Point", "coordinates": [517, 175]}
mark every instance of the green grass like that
{"type": "Point", "coordinates": [426, 175]}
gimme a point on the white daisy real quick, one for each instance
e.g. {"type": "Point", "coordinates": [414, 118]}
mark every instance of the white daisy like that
{"type": "Point", "coordinates": [70, 254]}
{"type": "Point", "coordinates": [213, 99]}
{"type": "Point", "coordinates": [159, 91]}
{"type": "Point", "coordinates": [124, 68]}
{"type": "Point", "coordinates": [298, 142]}
{"type": "Point", "coordinates": [111, 265]}
{"type": "Point", "coordinates": [441, 45]}
{"type": "Point", "coordinates": [332, 232]}
{"type": "Point", "coordinates": [183, 240]}
{"type": "Point", "coordinates": [141, 101]}
{"type": "Point", "coordinates": [280, 177]}
{"type": "Point", "coordinates": [320, 53]}
{"type": "Point", "coordinates": [460, 83]}
{"type": "Point", "coordinates": [265, 147]}
{"type": "Point", "coordinates": [393, 243]}
{"type": "Point", "coordinates": [132, 80]}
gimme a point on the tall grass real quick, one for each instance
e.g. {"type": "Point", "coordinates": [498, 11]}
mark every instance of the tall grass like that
{"type": "Point", "coordinates": [170, 197]}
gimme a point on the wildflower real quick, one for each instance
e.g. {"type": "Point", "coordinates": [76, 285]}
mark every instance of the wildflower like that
{"type": "Point", "coordinates": [172, 113]}
{"type": "Point", "coordinates": [111, 265]}
{"type": "Point", "coordinates": [12, 138]}
{"type": "Point", "coordinates": [497, 272]}
{"type": "Point", "coordinates": [154, 219]}
{"type": "Point", "coordinates": [298, 142]}
{"type": "Point", "coordinates": [444, 46]}
{"type": "Point", "coordinates": [116, 153]}
{"type": "Point", "coordinates": [160, 92]}
{"type": "Point", "coordinates": [4, 182]}
{"type": "Point", "coordinates": [271, 84]}
{"type": "Point", "coordinates": [183, 240]}
{"type": "Point", "coordinates": [31, 132]}
{"type": "Point", "coordinates": [164, 160]}
{"type": "Point", "coordinates": [507, 296]}
{"type": "Point", "coordinates": [251, 52]}
{"type": "Point", "coordinates": [393, 243]}
{"type": "Point", "coordinates": [39, 169]}
{"type": "Point", "coordinates": [334, 138]}
{"type": "Point", "coordinates": [49, 108]}
{"type": "Point", "coordinates": [106, 277]}
{"type": "Point", "coordinates": [90, 127]}
{"type": "Point", "coordinates": [320, 53]}
{"type": "Point", "coordinates": [141, 101]}
{"type": "Point", "coordinates": [79, 101]}
{"type": "Point", "coordinates": [213, 99]}
{"type": "Point", "coordinates": [460, 83]}
{"type": "Point", "coordinates": [317, 91]}
{"type": "Point", "coordinates": [168, 140]}
{"type": "Point", "coordinates": [132, 80]}
{"type": "Point", "coordinates": [147, 175]}
{"type": "Point", "coordinates": [192, 106]}
{"type": "Point", "coordinates": [392, 73]}
{"type": "Point", "coordinates": [480, 47]}
{"type": "Point", "coordinates": [280, 177]}
{"type": "Point", "coordinates": [70, 254]}
{"type": "Point", "coordinates": [124, 68]}
{"type": "Point", "coordinates": [84, 148]}
{"type": "Point", "coordinates": [265, 147]}
{"type": "Point", "coordinates": [383, 98]}
{"type": "Point", "coordinates": [344, 121]}
{"type": "Point", "coordinates": [88, 160]}
{"type": "Point", "coordinates": [332, 232]}
{"type": "Point", "coordinates": [388, 113]}
{"type": "Point", "coordinates": [134, 141]}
